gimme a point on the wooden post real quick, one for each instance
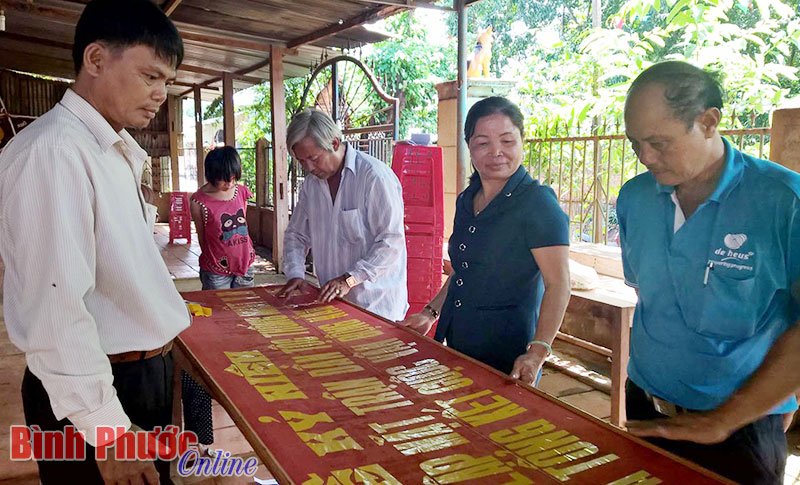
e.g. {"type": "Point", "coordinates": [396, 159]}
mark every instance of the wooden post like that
{"type": "Point", "coordinates": [261, 172]}
{"type": "Point", "coordinates": [462, 83]}
{"type": "Point", "coordinates": [198, 137]}
{"type": "Point", "coordinates": [279, 154]}
{"type": "Point", "coordinates": [173, 104]}
{"type": "Point", "coordinates": [228, 120]}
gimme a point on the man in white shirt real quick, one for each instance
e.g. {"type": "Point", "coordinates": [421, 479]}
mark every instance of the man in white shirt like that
{"type": "Point", "coordinates": [87, 296]}
{"type": "Point", "coordinates": [350, 215]}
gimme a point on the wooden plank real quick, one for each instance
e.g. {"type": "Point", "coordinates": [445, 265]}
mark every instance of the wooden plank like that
{"type": "Point", "coordinates": [198, 137]}
{"type": "Point", "coordinates": [279, 156]}
{"type": "Point", "coordinates": [228, 120]}
{"type": "Point", "coordinates": [170, 5]}
{"type": "Point", "coordinates": [619, 365]}
{"type": "Point", "coordinates": [215, 42]}
{"type": "Point", "coordinates": [258, 65]}
{"type": "Point", "coordinates": [606, 260]}
{"type": "Point", "coordinates": [261, 172]}
{"type": "Point", "coordinates": [173, 105]}
{"type": "Point", "coordinates": [215, 72]}
{"type": "Point", "coordinates": [35, 40]}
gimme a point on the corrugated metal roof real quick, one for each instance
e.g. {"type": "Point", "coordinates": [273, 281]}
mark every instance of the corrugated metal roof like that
{"type": "Point", "coordinates": [219, 35]}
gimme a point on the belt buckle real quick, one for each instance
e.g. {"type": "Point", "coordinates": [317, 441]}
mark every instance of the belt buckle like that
{"type": "Point", "coordinates": [665, 407]}
{"type": "Point", "coordinates": [166, 348]}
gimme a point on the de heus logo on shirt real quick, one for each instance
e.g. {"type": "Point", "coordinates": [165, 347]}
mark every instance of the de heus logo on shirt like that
{"type": "Point", "coordinates": [731, 256]}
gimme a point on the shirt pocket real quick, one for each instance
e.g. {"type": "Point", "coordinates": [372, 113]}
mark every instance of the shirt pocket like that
{"type": "Point", "coordinates": [352, 228]}
{"type": "Point", "coordinates": [729, 311]}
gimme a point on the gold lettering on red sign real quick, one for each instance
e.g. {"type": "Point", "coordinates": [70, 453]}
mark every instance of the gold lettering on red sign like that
{"type": "Point", "coordinates": [639, 478]}
{"type": "Point", "coordinates": [384, 350]}
{"type": "Point", "coordinates": [544, 447]}
{"type": "Point", "coordinates": [320, 313]}
{"type": "Point", "coordinates": [368, 474]}
{"type": "Point", "coordinates": [253, 309]}
{"type": "Point", "coordinates": [421, 439]}
{"type": "Point", "coordinates": [276, 326]}
{"type": "Point", "coordinates": [323, 443]}
{"type": "Point", "coordinates": [263, 375]}
{"type": "Point", "coordinates": [327, 364]}
{"type": "Point", "coordinates": [300, 344]}
{"type": "Point", "coordinates": [478, 413]}
{"type": "Point", "coordinates": [429, 377]}
{"type": "Point", "coordinates": [349, 330]}
{"type": "Point", "coordinates": [365, 395]}
{"type": "Point", "coordinates": [461, 468]}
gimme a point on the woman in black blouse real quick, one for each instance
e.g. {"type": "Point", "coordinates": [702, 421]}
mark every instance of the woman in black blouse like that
{"type": "Point", "coordinates": [505, 299]}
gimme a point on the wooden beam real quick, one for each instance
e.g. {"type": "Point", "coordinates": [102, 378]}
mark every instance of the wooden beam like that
{"type": "Point", "coordinates": [198, 137]}
{"type": "Point", "coordinates": [191, 85]}
{"type": "Point", "coordinates": [64, 11]}
{"type": "Point", "coordinates": [210, 41]}
{"type": "Point", "coordinates": [279, 156]}
{"type": "Point", "coordinates": [261, 172]}
{"type": "Point", "coordinates": [218, 73]}
{"type": "Point", "coordinates": [173, 105]}
{"type": "Point", "coordinates": [169, 6]}
{"type": "Point", "coordinates": [71, 12]}
{"type": "Point", "coordinates": [228, 116]}
{"type": "Point", "coordinates": [411, 4]}
{"type": "Point", "coordinates": [342, 25]}
{"type": "Point", "coordinates": [35, 40]}
{"type": "Point", "coordinates": [236, 74]}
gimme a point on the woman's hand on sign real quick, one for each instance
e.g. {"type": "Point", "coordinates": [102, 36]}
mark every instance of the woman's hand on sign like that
{"type": "Point", "coordinates": [527, 365]}
{"type": "Point", "coordinates": [419, 322]}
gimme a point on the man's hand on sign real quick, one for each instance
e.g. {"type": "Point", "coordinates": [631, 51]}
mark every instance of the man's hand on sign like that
{"type": "Point", "coordinates": [293, 285]}
{"type": "Point", "coordinates": [335, 288]}
{"type": "Point", "coordinates": [419, 322]}
{"type": "Point", "coordinates": [704, 428]}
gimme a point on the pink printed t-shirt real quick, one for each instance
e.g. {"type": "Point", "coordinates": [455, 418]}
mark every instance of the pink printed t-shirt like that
{"type": "Point", "coordinates": [227, 248]}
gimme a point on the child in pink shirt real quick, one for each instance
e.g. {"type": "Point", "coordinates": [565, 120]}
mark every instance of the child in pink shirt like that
{"type": "Point", "coordinates": [218, 210]}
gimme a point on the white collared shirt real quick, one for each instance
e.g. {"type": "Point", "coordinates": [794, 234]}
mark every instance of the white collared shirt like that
{"type": "Point", "coordinates": [361, 233]}
{"type": "Point", "coordinates": [83, 277]}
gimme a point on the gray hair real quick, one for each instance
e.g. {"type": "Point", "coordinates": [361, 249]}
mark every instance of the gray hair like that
{"type": "Point", "coordinates": [316, 124]}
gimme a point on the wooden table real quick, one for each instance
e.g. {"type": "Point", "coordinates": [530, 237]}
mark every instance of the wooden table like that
{"type": "Point", "coordinates": [330, 394]}
{"type": "Point", "coordinates": [600, 320]}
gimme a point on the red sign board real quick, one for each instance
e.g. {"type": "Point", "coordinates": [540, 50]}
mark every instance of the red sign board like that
{"type": "Point", "coordinates": [330, 394]}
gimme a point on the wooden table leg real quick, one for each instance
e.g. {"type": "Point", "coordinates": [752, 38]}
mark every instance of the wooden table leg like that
{"type": "Point", "coordinates": [619, 364]}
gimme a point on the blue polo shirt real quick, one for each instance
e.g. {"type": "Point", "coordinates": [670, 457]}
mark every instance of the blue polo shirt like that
{"type": "Point", "coordinates": [715, 295]}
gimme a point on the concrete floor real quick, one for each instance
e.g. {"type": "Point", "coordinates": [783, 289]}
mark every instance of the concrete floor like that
{"type": "Point", "coordinates": [182, 261]}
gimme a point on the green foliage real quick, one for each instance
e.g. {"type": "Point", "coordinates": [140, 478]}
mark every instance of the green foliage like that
{"type": "Point", "coordinates": [411, 66]}
{"type": "Point", "coordinates": [752, 46]}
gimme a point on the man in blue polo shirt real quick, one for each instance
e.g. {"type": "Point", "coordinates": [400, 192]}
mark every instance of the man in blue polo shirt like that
{"type": "Point", "coordinates": [711, 240]}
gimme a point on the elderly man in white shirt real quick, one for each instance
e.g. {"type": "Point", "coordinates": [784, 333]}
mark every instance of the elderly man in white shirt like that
{"type": "Point", "coordinates": [350, 215]}
{"type": "Point", "coordinates": [87, 296]}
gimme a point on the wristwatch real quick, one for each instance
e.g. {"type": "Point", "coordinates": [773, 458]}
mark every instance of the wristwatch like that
{"type": "Point", "coordinates": [350, 280]}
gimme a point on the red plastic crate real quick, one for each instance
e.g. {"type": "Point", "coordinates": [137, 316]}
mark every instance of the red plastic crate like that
{"type": "Point", "coordinates": [420, 171]}
{"type": "Point", "coordinates": [180, 219]}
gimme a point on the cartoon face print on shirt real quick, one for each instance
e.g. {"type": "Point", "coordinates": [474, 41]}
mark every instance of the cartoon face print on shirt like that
{"type": "Point", "coordinates": [232, 225]}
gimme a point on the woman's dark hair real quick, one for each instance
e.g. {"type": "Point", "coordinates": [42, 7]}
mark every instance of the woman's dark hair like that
{"type": "Point", "coordinates": [127, 23]}
{"type": "Point", "coordinates": [490, 106]}
{"type": "Point", "coordinates": [688, 90]}
{"type": "Point", "coordinates": [223, 163]}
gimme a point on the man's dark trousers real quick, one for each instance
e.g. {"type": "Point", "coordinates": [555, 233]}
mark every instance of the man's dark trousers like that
{"type": "Point", "coordinates": [144, 388]}
{"type": "Point", "coordinates": [754, 454]}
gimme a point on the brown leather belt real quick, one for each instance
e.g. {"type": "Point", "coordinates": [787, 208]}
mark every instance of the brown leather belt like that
{"type": "Point", "coordinates": [136, 355]}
